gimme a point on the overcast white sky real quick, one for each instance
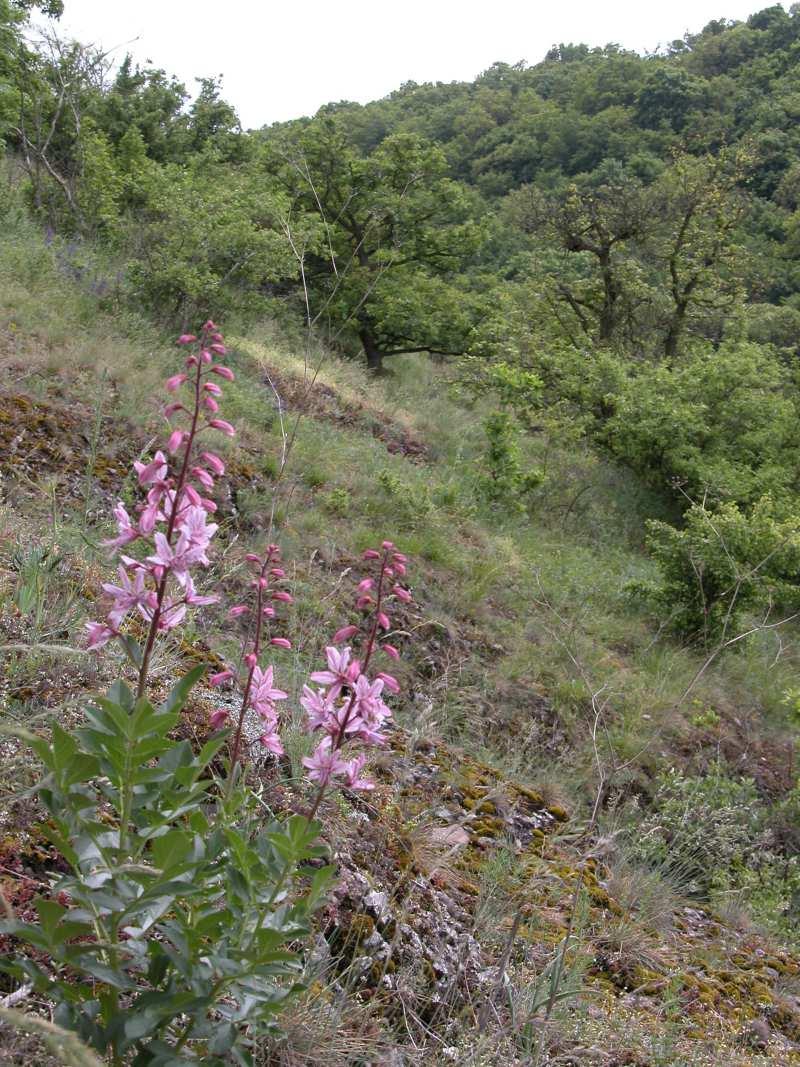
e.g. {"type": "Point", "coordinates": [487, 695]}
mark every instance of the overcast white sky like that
{"type": "Point", "coordinates": [282, 60]}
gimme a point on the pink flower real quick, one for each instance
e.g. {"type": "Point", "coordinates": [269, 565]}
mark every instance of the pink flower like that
{"type": "Point", "coordinates": [220, 349]}
{"type": "Point", "coordinates": [99, 635]}
{"type": "Point", "coordinates": [213, 388]}
{"type": "Point", "coordinates": [203, 477]}
{"type": "Point", "coordinates": [318, 705]}
{"type": "Point", "coordinates": [126, 596]}
{"type": "Point", "coordinates": [223, 372]}
{"type": "Point", "coordinates": [371, 554]}
{"type": "Point", "coordinates": [186, 339]}
{"type": "Point", "coordinates": [237, 610]}
{"type": "Point", "coordinates": [153, 472]}
{"type": "Point", "coordinates": [218, 718]}
{"type": "Point", "coordinates": [281, 642]}
{"type": "Point", "coordinates": [284, 597]}
{"type": "Point", "coordinates": [324, 763]}
{"type": "Point", "coordinates": [383, 620]}
{"type": "Point", "coordinates": [194, 598]}
{"type": "Point", "coordinates": [365, 585]}
{"type": "Point", "coordinates": [390, 650]}
{"type": "Point", "coordinates": [340, 672]}
{"type": "Point", "coordinates": [271, 742]}
{"type": "Point", "coordinates": [352, 770]}
{"type": "Point", "coordinates": [126, 531]}
{"type": "Point", "coordinates": [402, 594]}
{"type": "Point", "coordinates": [220, 677]}
{"type": "Point", "coordinates": [175, 382]}
{"type": "Point", "coordinates": [210, 404]}
{"type": "Point", "coordinates": [263, 693]}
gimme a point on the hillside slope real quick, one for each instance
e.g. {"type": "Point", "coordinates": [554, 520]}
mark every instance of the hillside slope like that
{"type": "Point", "coordinates": [490, 904]}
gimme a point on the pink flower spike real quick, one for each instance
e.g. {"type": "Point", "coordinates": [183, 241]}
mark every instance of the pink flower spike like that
{"type": "Point", "coordinates": [213, 388]}
{"type": "Point", "coordinates": [186, 339]}
{"type": "Point", "coordinates": [220, 677]}
{"type": "Point", "coordinates": [175, 441]}
{"type": "Point", "coordinates": [371, 554]}
{"type": "Point", "coordinates": [223, 372]}
{"type": "Point", "coordinates": [220, 349]}
{"type": "Point", "coordinates": [209, 325]}
{"type": "Point", "coordinates": [391, 651]}
{"type": "Point", "coordinates": [212, 460]}
{"type": "Point", "coordinates": [383, 620]}
{"type": "Point", "coordinates": [175, 382]}
{"type": "Point", "coordinates": [225, 427]}
{"type": "Point", "coordinates": [402, 594]}
{"type": "Point", "coordinates": [365, 585]}
{"type": "Point", "coordinates": [237, 610]}
{"type": "Point", "coordinates": [344, 634]}
{"type": "Point", "coordinates": [218, 718]}
{"type": "Point", "coordinates": [281, 642]}
{"type": "Point", "coordinates": [389, 681]}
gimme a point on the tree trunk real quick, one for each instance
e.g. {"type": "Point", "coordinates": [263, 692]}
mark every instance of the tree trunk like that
{"type": "Point", "coordinates": [371, 350]}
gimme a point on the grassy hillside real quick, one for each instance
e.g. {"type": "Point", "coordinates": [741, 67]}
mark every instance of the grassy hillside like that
{"type": "Point", "coordinates": [580, 849]}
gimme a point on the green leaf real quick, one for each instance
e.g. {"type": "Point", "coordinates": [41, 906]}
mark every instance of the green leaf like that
{"type": "Point", "coordinates": [180, 692]}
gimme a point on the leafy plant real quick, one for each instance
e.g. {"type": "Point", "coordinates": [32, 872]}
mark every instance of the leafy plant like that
{"type": "Point", "coordinates": [170, 936]}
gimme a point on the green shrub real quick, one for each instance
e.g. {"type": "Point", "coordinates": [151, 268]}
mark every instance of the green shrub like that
{"type": "Point", "coordinates": [504, 480]}
{"type": "Point", "coordinates": [722, 564]}
{"type": "Point", "coordinates": [721, 423]}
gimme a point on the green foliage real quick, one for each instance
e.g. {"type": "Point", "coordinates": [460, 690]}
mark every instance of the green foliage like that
{"type": "Point", "coordinates": [705, 829]}
{"type": "Point", "coordinates": [506, 482]}
{"type": "Point", "coordinates": [180, 914]}
{"type": "Point", "coordinates": [721, 423]}
{"type": "Point", "coordinates": [721, 565]}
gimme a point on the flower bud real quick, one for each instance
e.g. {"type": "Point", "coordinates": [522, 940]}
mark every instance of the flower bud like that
{"type": "Point", "coordinates": [205, 356]}
{"type": "Point", "coordinates": [364, 602]}
{"type": "Point", "coordinates": [210, 404]}
{"type": "Point", "coordinates": [281, 642]}
{"type": "Point", "coordinates": [365, 585]}
{"type": "Point", "coordinates": [402, 594]}
{"type": "Point", "coordinates": [223, 372]}
{"type": "Point", "coordinates": [186, 339]}
{"type": "Point", "coordinates": [280, 594]}
{"type": "Point", "coordinates": [387, 545]}
{"type": "Point", "coordinates": [277, 572]}
{"type": "Point", "coordinates": [390, 650]}
{"type": "Point", "coordinates": [220, 677]}
{"type": "Point", "coordinates": [218, 718]}
{"type": "Point", "coordinates": [237, 610]}
{"type": "Point", "coordinates": [371, 554]}
{"type": "Point", "coordinates": [220, 349]}
{"type": "Point", "coordinates": [175, 382]}
{"type": "Point", "coordinates": [212, 460]}
{"type": "Point", "coordinates": [213, 388]}
{"type": "Point", "coordinates": [344, 634]}
{"type": "Point", "coordinates": [225, 427]}
{"type": "Point", "coordinates": [175, 441]}
{"type": "Point", "coordinates": [251, 557]}
{"type": "Point", "coordinates": [389, 681]}
{"type": "Point", "coordinates": [250, 660]}
{"type": "Point", "coordinates": [383, 620]}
